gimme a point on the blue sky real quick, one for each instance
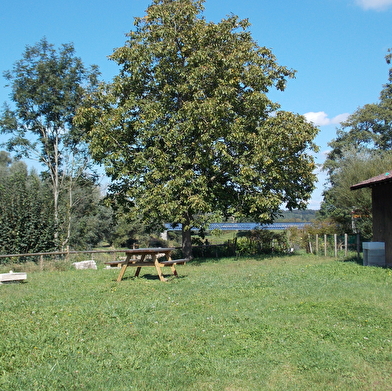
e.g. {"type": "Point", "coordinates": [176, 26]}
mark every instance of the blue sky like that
{"type": "Point", "coordinates": [336, 46]}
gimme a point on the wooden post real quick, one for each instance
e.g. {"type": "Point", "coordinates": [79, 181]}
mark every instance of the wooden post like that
{"type": "Point", "coordinates": [335, 238]}
{"type": "Point", "coordinates": [325, 245]}
{"type": "Point", "coordinates": [41, 263]}
{"type": "Point", "coordinates": [317, 244]}
{"type": "Point", "coordinates": [310, 244]}
{"type": "Point", "coordinates": [345, 244]}
{"type": "Point", "coordinates": [358, 244]}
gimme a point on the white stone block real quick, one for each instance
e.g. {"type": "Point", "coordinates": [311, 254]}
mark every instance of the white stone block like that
{"type": "Point", "coordinates": [11, 276]}
{"type": "Point", "coordinates": [85, 265]}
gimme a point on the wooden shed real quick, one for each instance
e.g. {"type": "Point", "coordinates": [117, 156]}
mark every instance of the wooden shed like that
{"type": "Point", "coordinates": [381, 186]}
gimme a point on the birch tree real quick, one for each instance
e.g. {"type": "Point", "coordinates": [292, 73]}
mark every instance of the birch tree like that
{"type": "Point", "coordinates": [47, 86]}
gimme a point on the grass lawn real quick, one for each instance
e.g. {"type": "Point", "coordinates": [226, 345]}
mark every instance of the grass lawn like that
{"type": "Point", "coordinates": [276, 323]}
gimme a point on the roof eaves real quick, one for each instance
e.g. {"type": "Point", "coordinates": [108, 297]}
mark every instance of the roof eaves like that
{"type": "Point", "coordinates": [374, 181]}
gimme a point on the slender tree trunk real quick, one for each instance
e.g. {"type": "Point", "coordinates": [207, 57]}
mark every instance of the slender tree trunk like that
{"type": "Point", "coordinates": [65, 244]}
{"type": "Point", "coordinates": [187, 239]}
{"type": "Point", "coordinates": [52, 161]}
{"type": "Point", "coordinates": [56, 191]}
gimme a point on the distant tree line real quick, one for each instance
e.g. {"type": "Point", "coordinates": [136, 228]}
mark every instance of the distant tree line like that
{"type": "Point", "coordinates": [297, 216]}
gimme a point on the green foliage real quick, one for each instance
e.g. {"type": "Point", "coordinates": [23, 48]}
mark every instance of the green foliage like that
{"type": "Point", "coordinates": [300, 238]}
{"type": "Point", "coordinates": [322, 227]}
{"type": "Point", "coordinates": [129, 232]}
{"type": "Point", "coordinates": [297, 216]}
{"type": "Point", "coordinates": [186, 128]}
{"type": "Point", "coordinates": [26, 212]}
{"type": "Point", "coordinates": [90, 220]}
{"type": "Point", "coordinates": [340, 203]}
{"type": "Point", "coordinates": [361, 150]}
{"type": "Point", "coordinates": [26, 219]}
{"type": "Point", "coordinates": [261, 242]}
{"type": "Point", "coordinates": [369, 128]}
{"type": "Point", "coordinates": [272, 323]}
{"type": "Point", "coordinates": [47, 86]}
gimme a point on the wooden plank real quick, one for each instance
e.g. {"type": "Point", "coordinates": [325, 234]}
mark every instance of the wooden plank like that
{"type": "Point", "coordinates": [151, 251]}
{"type": "Point", "coordinates": [13, 277]}
{"type": "Point", "coordinates": [140, 264]}
{"type": "Point", "coordinates": [114, 264]}
{"type": "Point", "coordinates": [174, 262]}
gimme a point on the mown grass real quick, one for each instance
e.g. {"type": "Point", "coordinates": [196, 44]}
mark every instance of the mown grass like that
{"type": "Point", "coordinates": [275, 323]}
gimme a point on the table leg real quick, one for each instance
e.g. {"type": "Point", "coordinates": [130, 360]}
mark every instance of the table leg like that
{"type": "Point", "coordinates": [139, 267]}
{"type": "Point", "coordinates": [174, 271]}
{"type": "Point", "coordinates": [122, 271]}
{"type": "Point", "coordinates": [124, 267]}
{"type": "Point", "coordinates": [172, 267]}
{"type": "Point", "coordinates": [158, 268]}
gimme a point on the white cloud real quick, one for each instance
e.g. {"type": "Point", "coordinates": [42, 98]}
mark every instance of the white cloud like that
{"type": "Point", "coordinates": [320, 118]}
{"type": "Point", "coordinates": [340, 118]}
{"type": "Point", "coordinates": [378, 5]}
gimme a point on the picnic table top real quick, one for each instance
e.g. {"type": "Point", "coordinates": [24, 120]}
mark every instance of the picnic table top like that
{"type": "Point", "coordinates": [154, 250]}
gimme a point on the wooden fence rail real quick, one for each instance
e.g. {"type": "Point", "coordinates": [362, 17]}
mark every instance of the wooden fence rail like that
{"type": "Point", "coordinates": [60, 253]}
{"type": "Point", "coordinates": [66, 253]}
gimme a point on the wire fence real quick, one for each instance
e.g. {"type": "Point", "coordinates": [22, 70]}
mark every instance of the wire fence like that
{"type": "Point", "coordinates": [334, 245]}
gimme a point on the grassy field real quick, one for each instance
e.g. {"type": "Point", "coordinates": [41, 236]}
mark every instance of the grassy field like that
{"type": "Point", "coordinates": [275, 323]}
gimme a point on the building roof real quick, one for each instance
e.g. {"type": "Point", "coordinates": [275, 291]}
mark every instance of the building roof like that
{"type": "Point", "coordinates": [381, 179]}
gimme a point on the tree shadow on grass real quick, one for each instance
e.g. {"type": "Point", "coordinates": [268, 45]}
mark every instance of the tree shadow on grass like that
{"type": "Point", "coordinates": [241, 257]}
{"type": "Point", "coordinates": [353, 259]}
{"type": "Point", "coordinates": [152, 277]}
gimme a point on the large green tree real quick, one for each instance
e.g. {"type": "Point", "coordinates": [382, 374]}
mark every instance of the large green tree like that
{"type": "Point", "coordinates": [342, 205]}
{"type": "Point", "coordinates": [47, 86]}
{"type": "Point", "coordinates": [361, 150]}
{"type": "Point", "coordinates": [369, 128]}
{"type": "Point", "coordinates": [186, 128]}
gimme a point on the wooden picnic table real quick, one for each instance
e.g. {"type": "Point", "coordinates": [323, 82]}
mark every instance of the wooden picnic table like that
{"type": "Point", "coordinates": [141, 257]}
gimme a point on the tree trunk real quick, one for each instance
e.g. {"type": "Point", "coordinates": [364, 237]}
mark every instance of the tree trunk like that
{"type": "Point", "coordinates": [65, 244]}
{"type": "Point", "coordinates": [187, 240]}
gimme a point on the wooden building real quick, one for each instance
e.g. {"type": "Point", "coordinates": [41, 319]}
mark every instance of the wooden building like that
{"type": "Point", "coordinates": [381, 186]}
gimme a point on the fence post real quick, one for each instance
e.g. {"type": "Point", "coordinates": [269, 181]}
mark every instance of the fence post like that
{"type": "Point", "coordinates": [358, 244]}
{"type": "Point", "coordinates": [41, 263]}
{"type": "Point", "coordinates": [345, 244]}
{"type": "Point", "coordinates": [317, 244]}
{"type": "Point", "coordinates": [325, 245]}
{"type": "Point", "coordinates": [335, 238]}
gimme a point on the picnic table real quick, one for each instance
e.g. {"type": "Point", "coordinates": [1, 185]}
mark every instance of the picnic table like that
{"type": "Point", "coordinates": [141, 257]}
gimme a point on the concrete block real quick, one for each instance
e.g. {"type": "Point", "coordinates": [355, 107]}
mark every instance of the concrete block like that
{"type": "Point", "coordinates": [85, 265]}
{"type": "Point", "coordinates": [11, 276]}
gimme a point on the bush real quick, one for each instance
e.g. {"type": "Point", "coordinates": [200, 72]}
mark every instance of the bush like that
{"type": "Point", "coordinates": [261, 241]}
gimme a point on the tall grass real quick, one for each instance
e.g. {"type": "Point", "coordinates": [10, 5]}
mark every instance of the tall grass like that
{"type": "Point", "coordinates": [273, 323]}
